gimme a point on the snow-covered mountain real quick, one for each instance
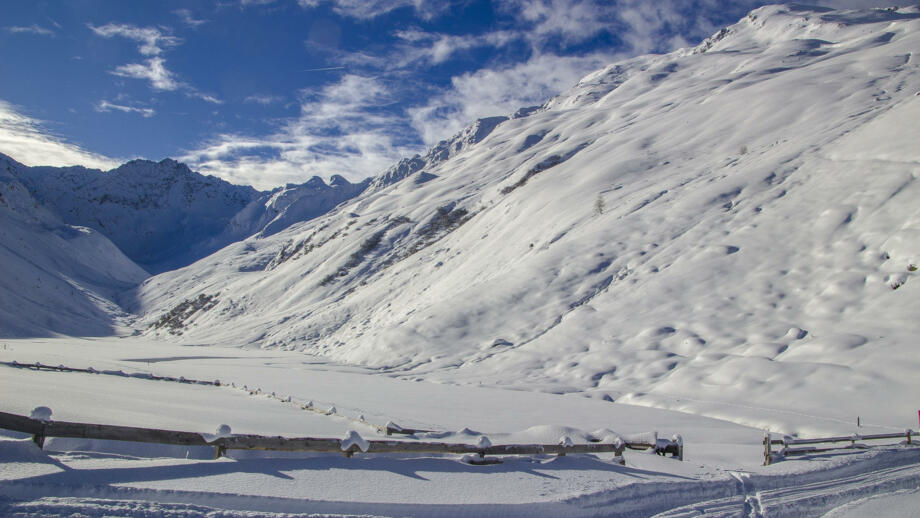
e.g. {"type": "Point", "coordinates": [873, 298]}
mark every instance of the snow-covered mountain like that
{"type": "Point", "coordinates": [731, 222]}
{"type": "Point", "coordinates": [163, 215]}
{"type": "Point", "coordinates": [57, 278]}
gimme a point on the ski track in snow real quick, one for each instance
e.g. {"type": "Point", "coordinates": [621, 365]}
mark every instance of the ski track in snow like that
{"type": "Point", "coordinates": [739, 494]}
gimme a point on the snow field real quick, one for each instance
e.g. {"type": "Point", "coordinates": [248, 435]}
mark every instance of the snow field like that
{"type": "Point", "coordinates": [97, 476]}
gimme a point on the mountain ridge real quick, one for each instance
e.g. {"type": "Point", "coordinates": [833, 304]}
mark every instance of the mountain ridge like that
{"type": "Point", "coordinates": [163, 215]}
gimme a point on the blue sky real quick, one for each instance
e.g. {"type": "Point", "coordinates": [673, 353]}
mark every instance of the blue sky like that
{"type": "Point", "coordinates": [266, 92]}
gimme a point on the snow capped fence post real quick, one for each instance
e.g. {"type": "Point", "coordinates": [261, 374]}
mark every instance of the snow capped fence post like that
{"type": "Point", "coordinates": [43, 415]}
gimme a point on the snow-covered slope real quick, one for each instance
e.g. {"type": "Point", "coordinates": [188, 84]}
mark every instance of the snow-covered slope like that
{"type": "Point", "coordinates": [165, 216]}
{"type": "Point", "coordinates": [720, 229]}
{"type": "Point", "coordinates": [57, 278]}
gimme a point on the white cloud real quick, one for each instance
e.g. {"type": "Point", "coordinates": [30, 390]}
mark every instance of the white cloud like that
{"type": "Point", "coordinates": [151, 41]}
{"type": "Point", "coordinates": [368, 9]}
{"type": "Point", "coordinates": [573, 21]}
{"type": "Point", "coordinates": [435, 48]}
{"type": "Point", "coordinates": [340, 130]}
{"type": "Point", "coordinates": [187, 18]}
{"type": "Point", "coordinates": [856, 4]}
{"type": "Point", "coordinates": [31, 29]}
{"type": "Point", "coordinates": [499, 91]}
{"type": "Point", "coordinates": [152, 70]}
{"type": "Point", "coordinates": [106, 106]}
{"type": "Point", "coordinates": [651, 25]}
{"type": "Point", "coordinates": [27, 141]}
{"type": "Point", "coordinates": [192, 92]}
{"type": "Point", "coordinates": [264, 100]}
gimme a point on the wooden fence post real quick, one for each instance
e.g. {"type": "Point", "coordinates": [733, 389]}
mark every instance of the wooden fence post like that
{"type": "Point", "coordinates": [680, 447]}
{"type": "Point", "coordinates": [767, 452]}
{"type": "Point", "coordinates": [39, 439]}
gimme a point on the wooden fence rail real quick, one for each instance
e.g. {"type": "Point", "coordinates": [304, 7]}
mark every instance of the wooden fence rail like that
{"type": "Point", "coordinates": [789, 444]}
{"type": "Point", "coordinates": [42, 429]}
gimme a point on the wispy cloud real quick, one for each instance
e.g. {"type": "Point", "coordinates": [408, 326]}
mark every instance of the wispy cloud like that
{"type": "Point", "coordinates": [152, 70]}
{"type": "Point", "coordinates": [342, 129]}
{"type": "Point", "coordinates": [208, 98]}
{"type": "Point", "coordinates": [435, 48]}
{"type": "Point", "coordinates": [26, 140]}
{"type": "Point", "coordinates": [324, 69]}
{"type": "Point", "coordinates": [30, 29]}
{"type": "Point", "coordinates": [106, 106]}
{"type": "Point", "coordinates": [152, 42]}
{"type": "Point", "coordinates": [855, 4]}
{"type": "Point", "coordinates": [188, 19]}
{"type": "Point", "coordinates": [264, 100]}
{"type": "Point", "coordinates": [369, 9]}
{"type": "Point", "coordinates": [573, 21]}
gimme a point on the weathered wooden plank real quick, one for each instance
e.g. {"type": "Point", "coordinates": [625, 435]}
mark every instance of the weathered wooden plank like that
{"type": "Point", "coordinates": [20, 423]}
{"type": "Point", "coordinates": [98, 431]}
{"type": "Point", "coordinates": [122, 433]}
{"type": "Point", "coordinates": [850, 438]}
{"type": "Point", "coordinates": [812, 449]}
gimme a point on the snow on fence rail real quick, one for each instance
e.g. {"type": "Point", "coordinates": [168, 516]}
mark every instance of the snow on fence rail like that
{"type": "Point", "coordinates": [43, 428]}
{"type": "Point", "coordinates": [805, 445]}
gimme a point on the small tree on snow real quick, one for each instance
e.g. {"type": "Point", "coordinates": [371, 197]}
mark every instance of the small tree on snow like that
{"type": "Point", "coordinates": [599, 205]}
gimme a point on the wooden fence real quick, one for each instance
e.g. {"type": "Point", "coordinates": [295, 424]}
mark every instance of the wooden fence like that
{"type": "Point", "coordinates": [42, 429]}
{"type": "Point", "coordinates": [793, 446]}
{"type": "Point", "coordinates": [61, 368]}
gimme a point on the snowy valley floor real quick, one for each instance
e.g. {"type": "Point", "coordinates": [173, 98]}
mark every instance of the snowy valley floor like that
{"type": "Point", "coordinates": [722, 474]}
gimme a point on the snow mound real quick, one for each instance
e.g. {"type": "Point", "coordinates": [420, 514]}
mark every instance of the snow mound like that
{"type": "Point", "coordinates": [41, 413]}
{"type": "Point", "coordinates": [353, 440]}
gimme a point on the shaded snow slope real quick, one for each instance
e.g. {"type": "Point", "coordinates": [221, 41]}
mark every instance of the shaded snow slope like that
{"type": "Point", "coordinates": [719, 230]}
{"type": "Point", "coordinates": [154, 211]}
{"type": "Point", "coordinates": [57, 278]}
{"type": "Point", "coordinates": [164, 216]}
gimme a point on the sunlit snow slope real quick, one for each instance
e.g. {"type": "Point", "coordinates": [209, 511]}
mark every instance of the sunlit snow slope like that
{"type": "Point", "coordinates": [721, 229]}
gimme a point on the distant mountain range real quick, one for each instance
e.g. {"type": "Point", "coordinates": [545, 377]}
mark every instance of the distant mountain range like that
{"type": "Point", "coordinates": [164, 216]}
